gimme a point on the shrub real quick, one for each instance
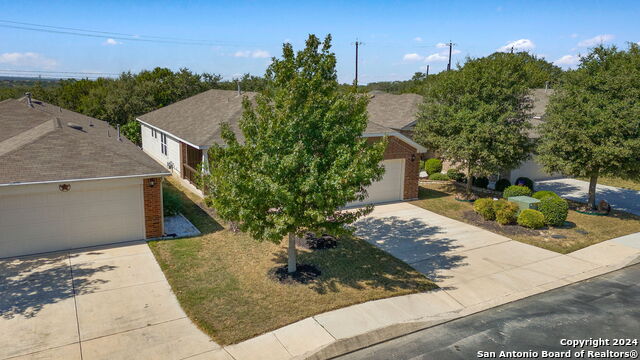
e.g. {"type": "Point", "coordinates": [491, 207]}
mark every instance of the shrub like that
{"type": "Point", "coordinates": [171, 202]}
{"type": "Point", "coordinates": [481, 182]}
{"type": "Point", "coordinates": [543, 194]}
{"type": "Point", "coordinates": [532, 219]}
{"type": "Point", "coordinates": [438, 176]}
{"type": "Point", "coordinates": [506, 211]}
{"type": "Point", "coordinates": [502, 184]}
{"type": "Point", "coordinates": [516, 190]}
{"type": "Point", "coordinates": [455, 175]}
{"type": "Point", "coordinates": [432, 166]}
{"type": "Point", "coordinates": [484, 207]}
{"type": "Point", "coordinates": [554, 209]}
{"type": "Point", "coordinates": [525, 181]}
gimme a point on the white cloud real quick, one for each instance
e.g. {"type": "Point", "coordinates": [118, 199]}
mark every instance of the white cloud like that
{"type": "Point", "coordinates": [418, 39]}
{"type": "Point", "coordinates": [111, 42]}
{"type": "Point", "coordinates": [596, 40]}
{"type": "Point", "coordinates": [573, 36]}
{"type": "Point", "coordinates": [412, 57]}
{"type": "Point", "coordinates": [437, 57]}
{"type": "Point", "coordinates": [442, 45]}
{"type": "Point", "coordinates": [258, 54]}
{"type": "Point", "coordinates": [567, 60]}
{"type": "Point", "coordinates": [522, 44]}
{"type": "Point", "coordinates": [29, 59]}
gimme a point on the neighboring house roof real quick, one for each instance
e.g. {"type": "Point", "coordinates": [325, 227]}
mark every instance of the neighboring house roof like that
{"type": "Point", "coordinates": [38, 145]}
{"type": "Point", "coordinates": [394, 111]}
{"type": "Point", "coordinates": [196, 120]}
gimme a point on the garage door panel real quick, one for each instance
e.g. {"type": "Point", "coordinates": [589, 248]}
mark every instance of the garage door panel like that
{"type": "Point", "coordinates": [43, 221]}
{"type": "Point", "coordinates": [389, 188]}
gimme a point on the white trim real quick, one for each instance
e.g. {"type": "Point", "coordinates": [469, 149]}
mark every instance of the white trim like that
{"type": "Point", "coordinates": [419, 148]}
{"type": "Point", "coordinates": [179, 138]}
{"type": "Point", "coordinates": [87, 179]}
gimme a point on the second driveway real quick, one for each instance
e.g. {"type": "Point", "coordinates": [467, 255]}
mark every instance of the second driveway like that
{"type": "Point", "coordinates": [471, 264]}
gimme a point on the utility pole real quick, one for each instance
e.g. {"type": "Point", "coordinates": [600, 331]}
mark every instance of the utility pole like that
{"type": "Point", "coordinates": [427, 74]}
{"type": "Point", "coordinates": [357, 44]}
{"type": "Point", "coordinates": [450, 51]}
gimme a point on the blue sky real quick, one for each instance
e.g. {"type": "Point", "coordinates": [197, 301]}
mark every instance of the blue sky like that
{"type": "Point", "coordinates": [401, 37]}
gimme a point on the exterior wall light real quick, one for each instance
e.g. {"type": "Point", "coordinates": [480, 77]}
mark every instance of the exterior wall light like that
{"type": "Point", "coordinates": [413, 157]}
{"type": "Point", "coordinates": [152, 182]}
{"type": "Point", "coordinates": [64, 187]}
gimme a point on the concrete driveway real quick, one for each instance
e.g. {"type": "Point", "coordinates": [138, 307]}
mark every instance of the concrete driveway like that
{"type": "Point", "coordinates": [470, 264]}
{"type": "Point", "coordinates": [620, 199]}
{"type": "Point", "coordinates": [98, 303]}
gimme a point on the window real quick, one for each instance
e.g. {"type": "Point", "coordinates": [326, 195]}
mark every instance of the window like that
{"type": "Point", "coordinates": [154, 133]}
{"type": "Point", "coordinates": [163, 143]}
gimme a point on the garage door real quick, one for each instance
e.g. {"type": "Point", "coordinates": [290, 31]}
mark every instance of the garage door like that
{"type": "Point", "coordinates": [389, 188]}
{"type": "Point", "coordinates": [41, 218]}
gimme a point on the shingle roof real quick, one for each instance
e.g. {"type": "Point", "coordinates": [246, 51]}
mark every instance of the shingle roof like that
{"type": "Point", "coordinates": [37, 145]}
{"type": "Point", "coordinates": [197, 119]}
{"type": "Point", "coordinates": [539, 102]}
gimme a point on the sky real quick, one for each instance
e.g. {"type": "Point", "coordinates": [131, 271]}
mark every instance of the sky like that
{"type": "Point", "coordinates": [236, 37]}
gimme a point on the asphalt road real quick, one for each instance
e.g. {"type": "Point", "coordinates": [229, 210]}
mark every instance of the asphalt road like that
{"type": "Point", "coordinates": [606, 307]}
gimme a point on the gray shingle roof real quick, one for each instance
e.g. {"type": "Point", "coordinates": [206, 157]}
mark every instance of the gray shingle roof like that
{"type": "Point", "coordinates": [37, 145]}
{"type": "Point", "coordinates": [197, 119]}
{"type": "Point", "coordinates": [539, 102]}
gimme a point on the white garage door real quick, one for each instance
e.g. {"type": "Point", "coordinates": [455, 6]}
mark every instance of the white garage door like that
{"type": "Point", "coordinates": [41, 218]}
{"type": "Point", "coordinates": [389, 188]}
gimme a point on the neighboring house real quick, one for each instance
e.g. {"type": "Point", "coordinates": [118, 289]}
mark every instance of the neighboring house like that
{"type": "Point", "coordinates": [68, 181]}
{"type": "Point", "coordinates": [530, 168]}
{"type": "Point", "coordinates": [178, 136]}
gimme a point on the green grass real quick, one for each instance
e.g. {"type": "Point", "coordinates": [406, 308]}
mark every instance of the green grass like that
{"type": "Point", "coordinates": [582, 230]}
{"type": "Point", "coordinates": [617, 182]}
{"type": "Point", "coordinates": [221, 281]}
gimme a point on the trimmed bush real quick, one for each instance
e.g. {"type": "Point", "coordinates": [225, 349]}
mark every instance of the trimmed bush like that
{"type": "Point", "coordinates": [171, 203]}
{"type": "Point", "coordinates": [525, 181]}
{"type": "Point", "coordinates": [506, 211]}
{"type": "Point", "coordinates": [543, 194]}
{"type": "Point", "coordinates": [432, 166]}
{"type": "Point", "coordinates": [481, 182]}
{"type": "Point", "coordinates": [455, 175]}
{"type": "Point", "coordinates": [502, 184]}
{"type": "Point", "coordinates": [484, 207]}
{"type": "Point", "coordinates": [532, 219]}
{"type": "Point", "coordinates": [439, 176]}
{"type": "Point", "coordinates": [516, 190]}
{"type": "Point", "coordinates": [554, 209]}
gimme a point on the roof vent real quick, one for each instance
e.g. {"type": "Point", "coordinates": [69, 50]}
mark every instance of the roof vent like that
{"type": "Point", "coordinates": [74, 126]}
{"type": "Point", "coordinates": [28, 95]}
{"type": "Point", "coordinates": [57, 124]}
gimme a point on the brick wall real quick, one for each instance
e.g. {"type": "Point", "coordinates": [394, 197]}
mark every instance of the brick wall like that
{"type": "Point", "coordinates": [398, 149]}
{"type": "Point", "coordinates": [153, 221]}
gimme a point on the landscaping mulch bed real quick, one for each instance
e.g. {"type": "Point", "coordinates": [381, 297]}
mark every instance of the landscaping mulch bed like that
{"type": "Point", "coordinates": [312, 242]}
{"type": "Point", "coordinates": [304, 274]}
{"type": "Point", "coordinates": [474, 218]}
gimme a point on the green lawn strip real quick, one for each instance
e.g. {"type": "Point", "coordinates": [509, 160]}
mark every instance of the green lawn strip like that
{"type": "Point", "coordinates": [221, 278]}
{"type": "Point", "coordinates": [582, 230]}
{"type": "Point", "coordinates": [616, 182]}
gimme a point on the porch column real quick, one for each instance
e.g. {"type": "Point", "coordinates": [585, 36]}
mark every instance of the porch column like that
{"type": "Point", "coordinates": [205, 161]}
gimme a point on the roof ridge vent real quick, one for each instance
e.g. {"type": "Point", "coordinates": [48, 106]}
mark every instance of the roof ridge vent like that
{"type": "Point", "coordinates": [74, 126]}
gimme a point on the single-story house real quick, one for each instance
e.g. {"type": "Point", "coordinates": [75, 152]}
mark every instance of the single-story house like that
{"type": "Point", "coordinates": [178, 136]}
{"type": "Point", "coordinates": [68, 181]}
{"type": "Point", "coordinates": [530, 168]}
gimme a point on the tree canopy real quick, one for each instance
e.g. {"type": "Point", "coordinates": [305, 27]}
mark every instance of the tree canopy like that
{"type": "Point", "coordinates": [476, 116]}
{"type": "Point", "coordinates": [592, 124]}
{"type": "Point", "coordinates": [302, 158]}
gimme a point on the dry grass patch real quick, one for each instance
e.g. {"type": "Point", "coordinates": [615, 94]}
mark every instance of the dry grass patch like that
{"type": "Point", "coordinates": [580, 231]}
{"type": "Point", "coordinates": [221, 281]}
{"type": "Point", "coordinates": [617, 182]}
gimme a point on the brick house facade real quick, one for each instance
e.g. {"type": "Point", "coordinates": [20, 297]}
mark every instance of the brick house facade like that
{"type": "Point", "coordinates": [153, 215]}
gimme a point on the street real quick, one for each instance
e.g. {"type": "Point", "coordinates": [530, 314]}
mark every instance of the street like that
{"type": "Point", "coordinates": [603, 309]}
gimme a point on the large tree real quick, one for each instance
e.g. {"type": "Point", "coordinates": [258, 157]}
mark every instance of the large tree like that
{"type": "Point", "coordinates": [592, 125]}
{"type": "Point", "coordinates": [301, 158]}
{"type": "Point", "coordinates": [477, 115]}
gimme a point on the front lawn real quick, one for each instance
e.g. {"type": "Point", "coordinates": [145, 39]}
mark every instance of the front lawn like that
{"type": "Point", "coordinates": [221, 278]}
{"type": "Point", "coordinates": [580, 231]}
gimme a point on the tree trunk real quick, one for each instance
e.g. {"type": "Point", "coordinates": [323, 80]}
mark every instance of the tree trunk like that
{"type": "Point", "coordinates": [469, 180]}
{"type": "Point", "coordinates": [292, 254]}
{"type": "Point", "coordinates": [593, 181]}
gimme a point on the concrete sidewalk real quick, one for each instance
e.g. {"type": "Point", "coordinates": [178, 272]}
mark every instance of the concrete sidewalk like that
{"type": "Point", "coordinates": [475, 269]}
